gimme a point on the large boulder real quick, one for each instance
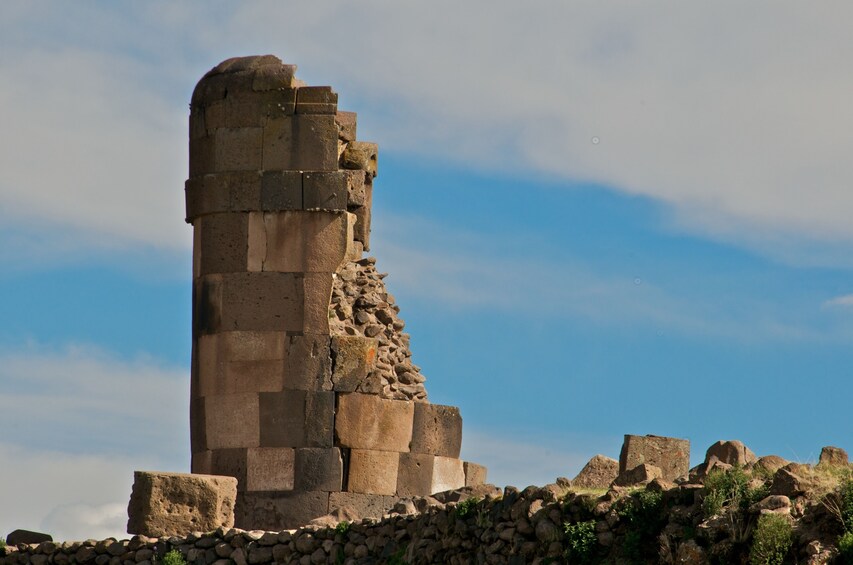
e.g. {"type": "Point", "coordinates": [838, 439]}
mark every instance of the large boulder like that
{"type": "Point", "coordinates": [671, 455]}
{"type": "Point", "coordinates": [833, 457]}
{"type": "Point", "coordinates": [27, 536]}
{"type": "Point", "coordinates": [598, 473]}
{"type": "Point", "coordinates": [731, 452]}
{"type": "Point", "coordinates": [169, 504]}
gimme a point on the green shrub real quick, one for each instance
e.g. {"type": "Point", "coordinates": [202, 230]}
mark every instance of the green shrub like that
{"type": "Point", "coordinates": [845, 548]}
{"type": "Point", "coordinates": [464, 508]}
{"type": "Point", "coordinates": [174, 557]}
{"type": "Point", "coordinates": [342, 527]}
{"type": "Point", "coordinates": [644, 516]}
{"type": "Point", "coordinates": [846, 495]}
{"type": "Point", "coordinates": [580, 541]}
{"type": "Point", "coordinates": [2, 542]}
{"type": "Point", "coordinates": [772, 540]}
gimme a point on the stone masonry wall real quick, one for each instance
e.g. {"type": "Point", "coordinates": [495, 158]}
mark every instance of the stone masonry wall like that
{"type": "Point", "coordinates": [303, 387]}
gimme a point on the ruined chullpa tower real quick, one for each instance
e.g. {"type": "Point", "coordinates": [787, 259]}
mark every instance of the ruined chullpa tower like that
{"type": "Point", "coordinates": [303, 387]}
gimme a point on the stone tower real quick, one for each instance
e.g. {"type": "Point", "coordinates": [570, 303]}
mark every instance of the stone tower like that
{"type": "Point", "coordinates": [302, 386]}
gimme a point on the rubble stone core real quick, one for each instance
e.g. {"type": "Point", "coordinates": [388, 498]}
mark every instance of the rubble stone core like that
{"type": "Point", "coordinates": [303, 386]}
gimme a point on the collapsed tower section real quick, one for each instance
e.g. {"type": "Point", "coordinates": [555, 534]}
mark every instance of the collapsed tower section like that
{"type": "Point", "coordinates": [303, 387]}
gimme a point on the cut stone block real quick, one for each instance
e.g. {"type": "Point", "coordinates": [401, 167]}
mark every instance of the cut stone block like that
{"type": "Point", "coordinates": [249, 302]}
{"type": "Point", "coordinates": [297, 418]}
{"type": "Point", "coordinates": [214, 116]}
{"type": "Point", "coordinates": [373, 472]}
{"type": "Point", "coordinates": [347, 122]}
{"type": "Point", "coordinates": [599, 472]}
{"type": "Point", "coordinates": [421, 474]}
{"type": "Point", "coordinates": [316, 100]}
{"type": "Point", "coordinates": [231, 362]}
{"type": "Point", "coordinates": [171, 504]}
{"type": "Point", "coordinates": [436, 430]}
{"type": "Point", "coordinates": [364, 505]}
{"type": "Point", "coordinates": [235, 191]}
{"type": "Point", "coordinates": [360, 155]}
{"type": "Point", "coordinates": [366, 421]}
{"type": "Point", "coordinates": [319, 469]}
{"type": "Point", "coordinates": [231, 420]}
{"type": "Point", "coordinates": [226, 462]}
{"type": "Point", "coordinates": [642, 474]}
{"type": "Point", "coordinates": [244, 111]}
{"type": "Point", "coordinates": [317, 290]}
{"type": "Point", "coordinates": [198, 424]}
{"type": "Point", "coordinates": [298, 241]}
{"type": "Point", "coordinates": [222, 243]}
{"type": "Point", "coordinates": [281, 190]}
{"type": "Point", "coordinates": [307, 142]}
{"type": "Point", "coordinates": [270, 468]}
{"type": "Point", "coordinates": [275, 78]}
{"type": "Point", "coordinates": [238, 149]}
{"type": "Point", "coordinates": [276, 511]}
{"type": "Point", "coordinates": [671, 455]}
{"type": "Point", "coordinates": [354, 357]}
{"type": "Point", "coordinates": [325, 190]}
{"type": "Point", "coordinates": [308, 363]}
{"type": "Point", "coordinates": [475, 474]}
{"type": "Point", "coordinates": [202, 156]}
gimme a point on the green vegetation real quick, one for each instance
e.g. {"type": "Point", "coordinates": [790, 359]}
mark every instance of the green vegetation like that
{"type": "Point", "coordinates": [730, 491]}
{"type": "Point", "coordinates": [342, 527]}
{"type": "Point", "coordinates": [772, 540]}
{"type": "Point", "coordinates": [842, 507]}
{"type": "Point", "coordinates": [643, 511]}
{"type": "Point", "coordinates": [464, 508]}
{"type": "Point", "coordinates": [845, 547]}
{"type": "Point", "coordinates": [580, 541]}
{"type": "Point", "coordinates": [174, 557]}
{"type": "Point", "coordinates": [2, 543]}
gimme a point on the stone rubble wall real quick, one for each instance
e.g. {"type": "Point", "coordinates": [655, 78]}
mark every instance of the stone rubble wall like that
{"type": "Point", "coordinates": [509, 527]}
{"type": "Point", "coordinates": [303, 387]}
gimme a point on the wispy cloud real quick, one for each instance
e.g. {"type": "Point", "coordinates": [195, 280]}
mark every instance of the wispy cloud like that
{"type": "Point", "coordinates": [844, 301]}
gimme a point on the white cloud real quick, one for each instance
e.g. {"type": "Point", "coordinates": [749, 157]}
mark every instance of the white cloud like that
{"type": "Point", "coordinates": [526, 461]}
{"type": "Point", "coordinates": [746, 138]}
{"type": "Point", "coordinates": [844, 301]}
{"type": "Point", "coordinates": [76, 424]}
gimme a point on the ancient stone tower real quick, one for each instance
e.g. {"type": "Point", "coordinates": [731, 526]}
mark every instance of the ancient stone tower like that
{"type": "Point", "coordinates": [303, 386]}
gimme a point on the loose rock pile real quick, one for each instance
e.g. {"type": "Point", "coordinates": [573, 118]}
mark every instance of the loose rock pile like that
{"type": "Point", "coordinates": [362, 306]}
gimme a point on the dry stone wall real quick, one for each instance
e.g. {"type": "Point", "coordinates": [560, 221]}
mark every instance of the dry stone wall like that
{"type": "Point", "coordinates": [303, 386]}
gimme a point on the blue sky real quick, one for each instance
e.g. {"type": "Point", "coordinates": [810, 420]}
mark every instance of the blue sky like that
{"type": "Point", "coordinates": [597, 220]}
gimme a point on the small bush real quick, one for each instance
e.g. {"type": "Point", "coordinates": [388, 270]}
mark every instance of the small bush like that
{"type": "Point", "coordinates": [846, 495]}
{"type": "Point", "coordinates": [174, 557]}
{"type": "Point", "coordinates": [772, 540]}
{"type": "Point", "coordinates": [464, 508]}
{"type": "Point", "coordinates": [580, 541]}
{"type": "Point", "coordinates": [342, 527]}
{"type": "Point", "coordinates": [2, 542]}
{"type": "Point", "coordinates": [845, 548]}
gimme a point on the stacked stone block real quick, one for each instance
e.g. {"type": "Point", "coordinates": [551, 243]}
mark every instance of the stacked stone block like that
{"type": "Point", "coordinates": [308, 401]}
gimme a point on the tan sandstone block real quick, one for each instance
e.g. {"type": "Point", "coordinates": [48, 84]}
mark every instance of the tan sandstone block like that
{"type": "Point", "coordinates": [671, 455]}
{"type": "Point", "coordinates": [361, 155]}
{"type": "Point", "coordinates": [275, 78]}
{"type": "Point", "coordinates": [245, 110]}
{"type": "Point", "coordinates": [373, 472]}
{"type": "Point", "coordinates": [318, 469]}
{"type": "Point", "coordinates": [421, 474]}
{"type": "Point", "coordinates": [249, 302]}
{"type": "Point", "coordinates": [232, 362]}
{"type": "Point", "coordinates": [276, 511]}
{"type": "Point", "coordinates": [270, 468]}
{"type": "Point", "coordinates": [309, 363]}
{"type": "Point", "coordinates": [168, 504]}
{"type": "Point", "coordinates": [366, 421]}
{"type": "Point", "coordinates": [301, 143]}
{"type": "Point", "coordinates": [316, 100]}
{"type": "Point", "coordinates": [436, 430]}
{"type": "Point", "coordinates": [223, 246]}
{"type": "Point", "coordinates": [317, 290]}
{"type": "Point", "coordinates": [232, 420]}
{"type": "Point", "coordinates": [297, 241]}
{"type": "Point", "coordinates": [364, 505]}
{"type": "Point", "coordinates": [238, 149]}
{"type": "Point", "coordinates": [356, 192]}
{"type": "Point", "coordinates": [353, 358]}
{"type": "Point", "coordinates": [475, 474]}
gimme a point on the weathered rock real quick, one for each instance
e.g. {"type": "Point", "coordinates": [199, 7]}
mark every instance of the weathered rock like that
{"type": "Point", "coordinates": [691, 553]}
{"type": "Point", "coordinates": [770, 463]}
{"type": "Point", "coordinates": [787, 483]}
{"type": "Point", "coordinates": [27, 536]}
{"type": "Point", "coordinates": [732, 452]}
{"type": "Point", "coordinates": [640, 475]}
{"type": "Point", "coordinates": [599, 472]}
{"type": "Point", "coordinates": [773, 504]}
{"type": "Point", "coordinates": [163, 504]}
{"type": "Point", "coordinates": [833, 456]}
{"type": "Point", "coordinates": [670, 455]}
